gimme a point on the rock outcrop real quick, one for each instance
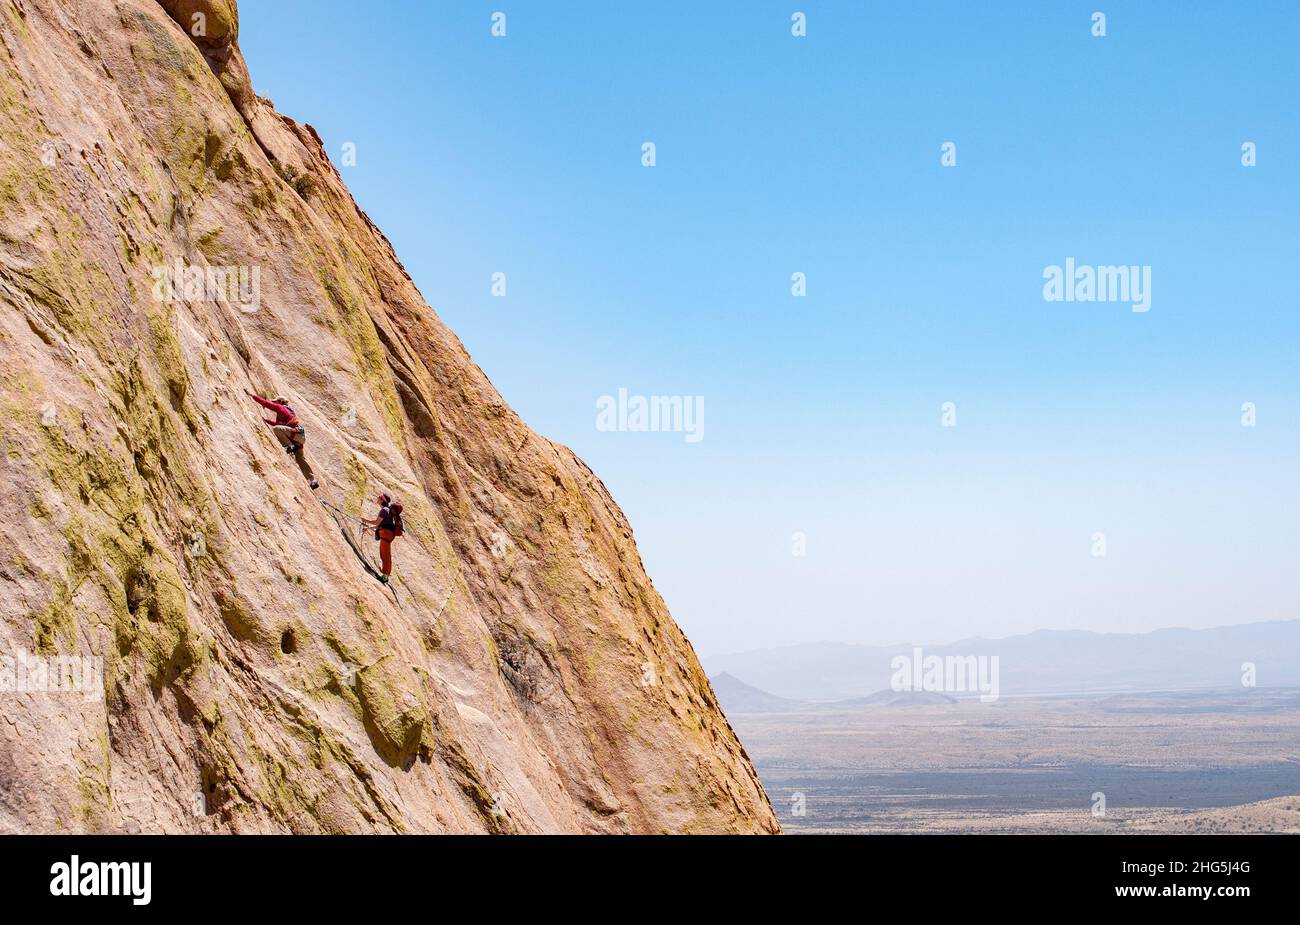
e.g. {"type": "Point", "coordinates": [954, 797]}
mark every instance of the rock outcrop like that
{"type": "Point", "coordinates": [167, 240]}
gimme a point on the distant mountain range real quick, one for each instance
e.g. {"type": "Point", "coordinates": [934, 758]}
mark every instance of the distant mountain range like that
{"type": "Point", "coordinates": [1042, 662]}
{"type": "Point", "coordinates": [738, 697]}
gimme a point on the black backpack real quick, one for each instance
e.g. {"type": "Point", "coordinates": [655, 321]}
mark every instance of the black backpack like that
{"type": "Point", "coordinates": [393, 521]}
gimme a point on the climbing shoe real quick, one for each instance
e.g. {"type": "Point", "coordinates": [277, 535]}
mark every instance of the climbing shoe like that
{"type": "Point", "coordinates": [314, 484]}
{"type": "Point", "coordinates": [383, 579]}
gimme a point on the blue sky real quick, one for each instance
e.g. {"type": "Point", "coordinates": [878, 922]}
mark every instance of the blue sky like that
{"type": "Point", "coordinates": [821, 154]}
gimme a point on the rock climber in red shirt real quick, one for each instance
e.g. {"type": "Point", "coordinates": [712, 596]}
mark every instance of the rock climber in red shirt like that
{"type": "Point", "coordinates": [288, 430]}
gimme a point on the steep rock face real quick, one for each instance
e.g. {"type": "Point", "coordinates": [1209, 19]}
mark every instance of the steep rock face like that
{"type": "Point", "coordinates": [255, 678]}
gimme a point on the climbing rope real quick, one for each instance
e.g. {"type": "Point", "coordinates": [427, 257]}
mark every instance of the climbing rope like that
{"type": "Point", "coordinates": [356, 545]}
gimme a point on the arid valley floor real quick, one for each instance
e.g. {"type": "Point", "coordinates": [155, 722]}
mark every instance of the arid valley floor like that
{"type": "Point", "coordinates": [1226, 761]}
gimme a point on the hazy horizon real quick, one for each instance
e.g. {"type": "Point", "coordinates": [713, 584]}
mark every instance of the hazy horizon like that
{"type": "Point", "coordinates": [952, 642]}
{"type": "Point", "coordinates": [824, 414]}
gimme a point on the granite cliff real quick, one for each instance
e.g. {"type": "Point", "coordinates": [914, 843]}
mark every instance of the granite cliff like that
{"type": "Point", "coordinates": [167, 241]}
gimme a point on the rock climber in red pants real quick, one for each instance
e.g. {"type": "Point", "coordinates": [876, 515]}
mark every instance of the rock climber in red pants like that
{"type": "Point", "coordinates": [388, 526]}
